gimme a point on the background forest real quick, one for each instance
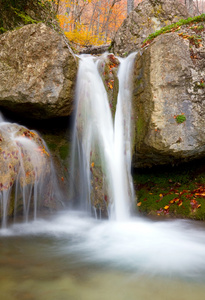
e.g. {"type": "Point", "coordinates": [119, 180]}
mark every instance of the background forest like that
{"type": "Point", "coordinates": [94, 22]}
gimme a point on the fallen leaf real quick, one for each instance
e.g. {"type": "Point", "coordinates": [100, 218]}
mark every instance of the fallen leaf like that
{"type": "Point", "coordinates": [180, 203]}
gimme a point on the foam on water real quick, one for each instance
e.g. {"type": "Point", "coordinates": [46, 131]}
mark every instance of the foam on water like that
{"type": "Point", "coordinates": [171, 248]}
{"type": "Point", "coordinates": [27, 175]}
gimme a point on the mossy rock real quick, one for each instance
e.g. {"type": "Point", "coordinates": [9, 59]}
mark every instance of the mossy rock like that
{"type": "Point", "coordinates": [173, 192]}
{"type": "Point", "coordinates": [17, 13]}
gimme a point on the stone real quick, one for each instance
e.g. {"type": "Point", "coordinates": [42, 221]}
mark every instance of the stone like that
{"type": "Point", "coordinates": [37, 72]}
{"type": "Point", "coordinates": [169, 99]}
{"type": "Point", "coordinates": [108, 68]}
{"type": "Point", "coordinates": [27, 180]}
{"type": "Point", "coordinates": [148, 16]}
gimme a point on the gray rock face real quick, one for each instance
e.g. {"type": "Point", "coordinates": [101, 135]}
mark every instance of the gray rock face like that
{"type": "Point", "coordinates": [149, 16]}
{"type": "Point", "coordinates": [169, 99]}
{"type": "Point", "coordinates": [37, 72]}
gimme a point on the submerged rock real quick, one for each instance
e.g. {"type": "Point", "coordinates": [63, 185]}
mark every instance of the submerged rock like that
{"type": "Point", "coordinates": [148, 16]}
{"type": "Point", "coordinates": [169, 98]}
{"type": "Point", "coordinates": [37, 72]}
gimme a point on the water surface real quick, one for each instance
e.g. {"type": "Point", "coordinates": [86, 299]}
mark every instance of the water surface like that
{"type": "Point", "coordinates": [72, 256]}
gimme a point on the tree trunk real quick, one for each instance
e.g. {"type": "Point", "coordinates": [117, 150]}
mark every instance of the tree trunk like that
{"type": "Point", "coordinates": [190, 6]}
{"type": "Point", "coordinates": [130, 6]}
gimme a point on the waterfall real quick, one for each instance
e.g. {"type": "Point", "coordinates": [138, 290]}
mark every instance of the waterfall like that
{"type": "Point", "coordinates": [101, 155]}
{"type": "Point", "coordinates": [27, 179]}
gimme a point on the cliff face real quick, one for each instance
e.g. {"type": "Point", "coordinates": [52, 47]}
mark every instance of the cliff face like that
{"type": "Point", "coordinates": [148, 16]}
{"type": "Point", "coordinates": [169, 98]}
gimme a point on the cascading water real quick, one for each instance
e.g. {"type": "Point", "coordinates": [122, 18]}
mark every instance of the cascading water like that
{"type": "Point", "coordinates": [103, 147]}
{"type": "Point", "coordinates": [74, 246]}
{"type": "Point", "coordinates": [27, 178]}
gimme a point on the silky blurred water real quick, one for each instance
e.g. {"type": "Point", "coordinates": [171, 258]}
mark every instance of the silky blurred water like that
{"type": "Point", "coordinates": [72, 256]}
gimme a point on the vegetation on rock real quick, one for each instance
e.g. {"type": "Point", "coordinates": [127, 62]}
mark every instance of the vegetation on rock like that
{"type": "Point", "coordinates": [180, 118]}
{"type": "Point", "coordinates": [14, 14]}
{"type": "Point", "coordinates": [175, 27]}
{"type": "Point", "coordinates": [172, 191]}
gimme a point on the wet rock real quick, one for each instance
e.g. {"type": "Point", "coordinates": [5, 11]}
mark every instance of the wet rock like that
{"type": "Point", "coordinates": [26, 178]}
{"type": "Point", "coordinates": [108, 67]}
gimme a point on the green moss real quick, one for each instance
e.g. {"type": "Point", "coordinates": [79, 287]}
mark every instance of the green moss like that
{"type": "Point", "coordinates": [25, 18]}
{"type": "Point", "coordinates": [197, 28]}
{"type": "Point", "coordinates": [200, 85]}
{"type": "Point", "coordinates": [168, 191]}
{"type": "Point", "coordinates": [176, 25]}
{"type": "Point", "coordinates": [140, 128]}
{"type": "Point", "coordinates": [180, 119]}
{"type": "Point", "coordinates": [15, 13]}
{"type": "Point", "coordinates": [2, 30]}
{"type": "Point", "coordinates": [140, 125]}
{"type": "Point", "coordinates": [64, 151]}
{"type": "Point", "coordinates": [52, 146]}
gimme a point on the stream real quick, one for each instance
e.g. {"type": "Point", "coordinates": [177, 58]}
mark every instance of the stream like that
{"type": "Point", "coordinates": [73, 256]}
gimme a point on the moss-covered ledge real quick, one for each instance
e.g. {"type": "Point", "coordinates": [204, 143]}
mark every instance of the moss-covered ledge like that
{"type": "Point", "coordinates": [17, 13]}
{"type": "Point", "coordinates": [174, 27]}
{"type": "Point", "coordinates": [173, 192]}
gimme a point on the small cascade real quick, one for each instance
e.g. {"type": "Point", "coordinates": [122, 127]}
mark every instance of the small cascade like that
{"type": "Point", "coordinates": [101, 156]}
{"type": "Point", "coordinates": [27, 180]}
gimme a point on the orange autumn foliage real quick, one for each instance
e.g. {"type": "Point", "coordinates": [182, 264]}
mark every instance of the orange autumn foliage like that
{"type": "Point", "coordinates": [91, 22]}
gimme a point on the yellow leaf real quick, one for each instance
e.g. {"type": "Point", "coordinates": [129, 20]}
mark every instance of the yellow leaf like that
{"type": "Point", "coordinates": [139, 204]}
{"type": "Point", "coordinates": [160, 195]}
{"type": "Point", "coordinates": [92, 165]}
{"type": "Point", "coordinates": [166, 207]}
{"type": "Point", "coordinates": [110, 85]}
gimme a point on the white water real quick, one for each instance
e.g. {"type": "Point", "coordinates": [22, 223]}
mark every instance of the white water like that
{"type": "Point", "coordinates": [96, 133]}
{"type": "Point", "coordinates": [173, 248]}
{"type": "Point", "coordinates": [134, 245]}
{"type": "Point", "coordinates": [33, 177]}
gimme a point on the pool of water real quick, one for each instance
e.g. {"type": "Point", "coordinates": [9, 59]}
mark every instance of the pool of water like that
{"type": "Point", "coordinates": [72, 256]}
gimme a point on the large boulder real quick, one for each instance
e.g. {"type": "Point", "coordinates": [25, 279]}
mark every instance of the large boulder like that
{"type": "Point", "coordinates": [27, 181]}
{"type": "Point", "coordinates": [37, 72]}
{"type": "Point", "coordinates": [148, 16]}
{"type": "Point", "coordinates": [169, 98]}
